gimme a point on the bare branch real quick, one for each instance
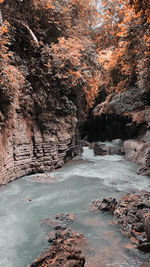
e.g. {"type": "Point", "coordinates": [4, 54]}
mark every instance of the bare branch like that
{"type": "Point", "coordinates": [1, 18]}
{"type": "Point", "coordinates": [29, 31]}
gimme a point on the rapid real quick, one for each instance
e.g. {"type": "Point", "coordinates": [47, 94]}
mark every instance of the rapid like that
{"type": "Point", "coordinates": [25, 202]}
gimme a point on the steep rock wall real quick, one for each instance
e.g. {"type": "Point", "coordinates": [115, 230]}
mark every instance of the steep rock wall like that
{"type": "Point", "coordinates": [43, 90]}
{"type": "Point", "coordinates": [26, 147]}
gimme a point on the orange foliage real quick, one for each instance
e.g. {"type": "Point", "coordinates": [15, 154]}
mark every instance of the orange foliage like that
{"type": "Point", "coordinates": [92, 91]}
{"type": "Point", "coordinates": [123, 40]}
{"type": "Point", "coordinates": [68, 57]}
{"type": "Point", "coordinates": [4, 40]}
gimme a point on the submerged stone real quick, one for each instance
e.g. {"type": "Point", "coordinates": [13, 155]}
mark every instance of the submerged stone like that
{"type": "Point", "coordinates": [65, 217]}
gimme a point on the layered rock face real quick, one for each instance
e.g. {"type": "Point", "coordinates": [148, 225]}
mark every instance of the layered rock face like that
{"type": "Point", "coordinates": [26, 148]}
{"type": "Point", "coordinates": [42, 102]}
{"type": "Point", "coordinates": [38, 123]}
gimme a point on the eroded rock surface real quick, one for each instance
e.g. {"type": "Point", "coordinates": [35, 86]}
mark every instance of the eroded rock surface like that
{"type": "Point", "coordinates": [61, 220]}
{"type": "Point", "coordinates": [133, 213]}
{"type": "Point", "coordinates": [42, 96]}
{"type": "Point", "coordinates": [26, 148]}
{"type": "Point", "coordinates": [108, 204]}
{"type": "Point", "coordinates": [65, 250]}
{"type": "Point", "coordinates": [139, 151]}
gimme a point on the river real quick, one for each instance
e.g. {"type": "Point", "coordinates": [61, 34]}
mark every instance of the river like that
{"type": "Point", "coordinates": [25, 202]}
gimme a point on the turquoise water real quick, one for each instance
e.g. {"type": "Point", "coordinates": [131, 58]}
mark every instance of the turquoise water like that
{"type": "Point", "coordinates": [74, 187]}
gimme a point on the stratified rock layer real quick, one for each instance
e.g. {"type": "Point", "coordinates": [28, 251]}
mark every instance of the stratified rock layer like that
{"type": "Point", "coordinates": [43, 92]}
{"type": "Point", "coordinates": [26, 148]}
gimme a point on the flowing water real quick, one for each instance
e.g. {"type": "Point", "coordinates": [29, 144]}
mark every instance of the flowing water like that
{"type": "Point", "coordinates": [74, 187]}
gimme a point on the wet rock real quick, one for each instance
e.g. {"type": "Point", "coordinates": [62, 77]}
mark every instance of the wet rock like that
{"type": "Point", "coordinates": [133, 213]}
{"type": "Point", "coordinates": [86, 143]}
{"type": "Point", "coordinates": [100, 149]}
{"type": "Point", "coordinates": [145, 264]}
{"type": "Point", "coordinates": [44, 178]}
{"type": "Point", "coordinates": [105, 205]}
{"type": "Point", "coordinates": [95, 205]}
{"type": "Point", "coordinates": [144, 171]}
{"type": "Point", "coordinates": [139, 151]}
{"type": "Point", "coordinates": [50, 222]}
{"type": "Point", "coordinates": [65, 217]}
{"type": "Point", "coordinates": [65, 250]}
{"type": "Point", "coordinates": [132, 148]}
{"type": "Point", "coordinates": [51, 236]}
{"type": "Point", "coordinates": [104, 149]}
{"type": "Point", "coordinates": [147, 225]}
{"type": "Point", "coordinates": [139, 227]}
{"type": "Point", "coordinates": [61, 221]}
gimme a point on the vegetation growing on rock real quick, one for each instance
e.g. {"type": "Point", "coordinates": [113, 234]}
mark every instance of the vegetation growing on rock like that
{"type": "Point", "coordinates": [58, 59]}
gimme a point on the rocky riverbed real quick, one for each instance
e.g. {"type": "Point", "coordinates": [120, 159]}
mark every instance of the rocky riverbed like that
{"type": "Point", "coordinates": [133, 216]}
{"type": "Point", "coordinates": [66, 244]}
{"type": "Point", "coordinates": [29, 206]}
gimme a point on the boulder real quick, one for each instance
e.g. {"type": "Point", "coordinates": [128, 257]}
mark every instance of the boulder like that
{"type": "Point", "coordinates": [65, 217]}
{"type": "Point", "coordinates": [138, 151]}
{"type": "Point", "coordinates": [133, 213]}
{"type": "Point", "coordinates": [60, 221]}
{"type": "Point", "coordinates": [105, 205]}
{"type": "Point", "coordinates": [65, 249]}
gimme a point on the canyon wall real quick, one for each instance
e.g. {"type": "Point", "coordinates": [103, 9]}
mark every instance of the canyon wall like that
{"type": "Point", "coordinates": [42, 96]}
{"type": "Point", "coordinates": [26, 148]}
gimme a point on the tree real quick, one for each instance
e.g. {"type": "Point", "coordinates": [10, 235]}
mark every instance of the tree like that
{"type": "Point", "coordinates": [123, 44]}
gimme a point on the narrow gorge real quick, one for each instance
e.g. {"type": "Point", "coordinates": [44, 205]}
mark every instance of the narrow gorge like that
{"type": "Point", "coordinates": [74, 133]}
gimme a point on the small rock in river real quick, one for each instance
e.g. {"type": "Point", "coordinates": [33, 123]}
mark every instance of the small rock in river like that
{"type": "Point", "coordinates": [28, 199]}
{"type": "Point", "coordinates": [105, 205]}
{"type": "Point", "coordinates": [65, 217]}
